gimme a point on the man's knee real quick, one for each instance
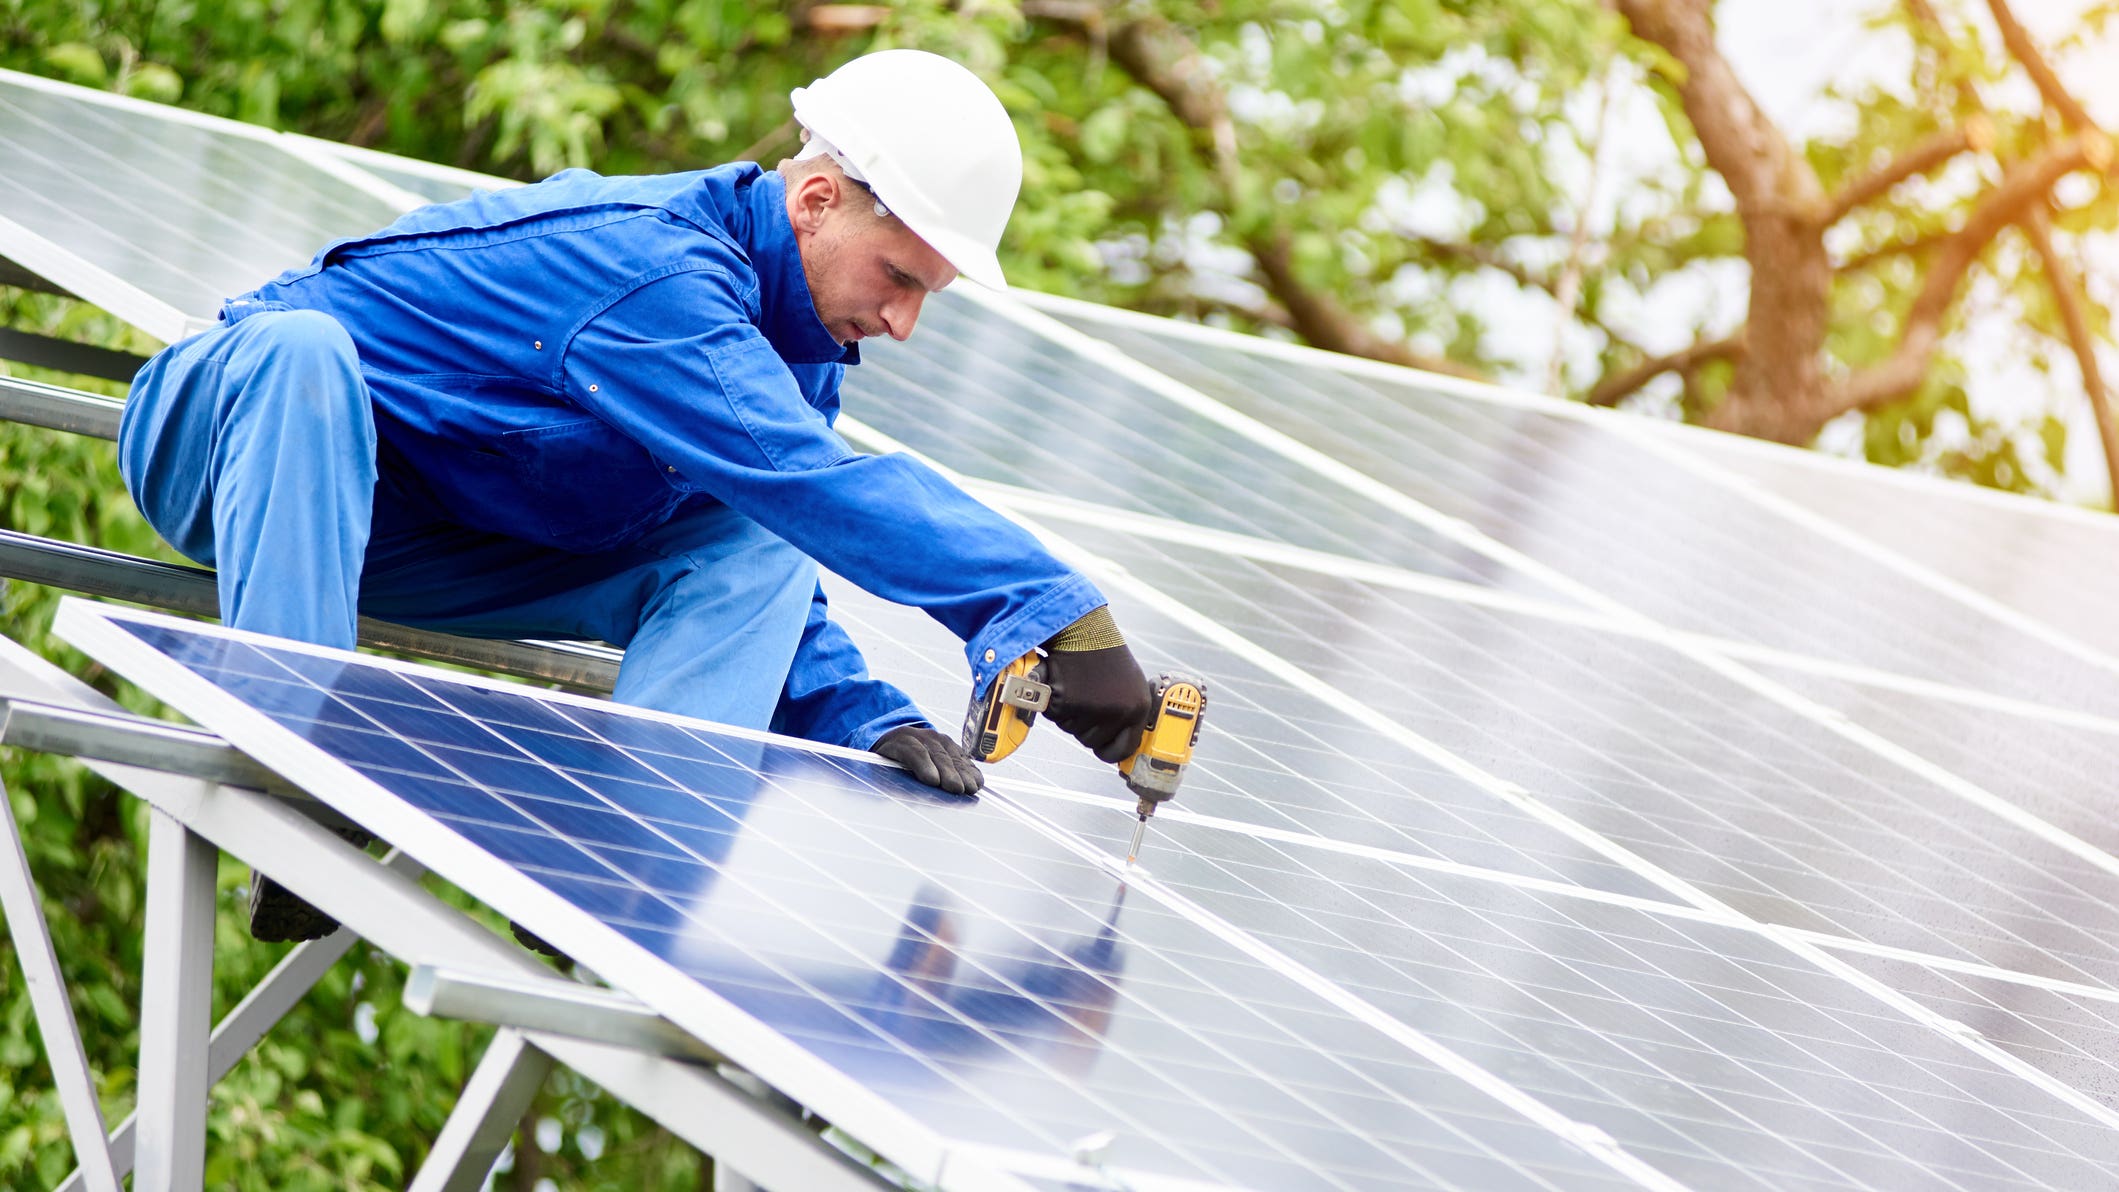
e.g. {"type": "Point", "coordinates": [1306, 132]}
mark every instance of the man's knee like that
{"type": "Point", "coordinates": [301, 339]}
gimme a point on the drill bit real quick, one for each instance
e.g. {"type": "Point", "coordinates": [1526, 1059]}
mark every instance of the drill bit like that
{"type": "Point", "coordinates": [1140, 830]}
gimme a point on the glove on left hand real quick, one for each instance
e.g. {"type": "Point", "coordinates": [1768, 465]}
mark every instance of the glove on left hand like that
{"type": "Point", "coordinates": [932, 758]}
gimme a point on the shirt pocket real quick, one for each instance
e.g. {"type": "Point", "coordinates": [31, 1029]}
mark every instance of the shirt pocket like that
{"type": "Point", "coordinates": [590, 487]}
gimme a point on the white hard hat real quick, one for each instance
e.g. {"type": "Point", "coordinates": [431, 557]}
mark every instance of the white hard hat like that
{"type": "Point", "coordinates": [931, 141]}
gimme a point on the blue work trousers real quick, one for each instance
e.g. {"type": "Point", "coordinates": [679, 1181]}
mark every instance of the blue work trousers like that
{"type": "Point", "coordinates": [252, 449]}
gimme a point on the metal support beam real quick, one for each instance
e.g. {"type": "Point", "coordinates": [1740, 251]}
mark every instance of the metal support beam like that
{"type": "Point", "coordinates": [56, 407]}
{"type": "Point", "coordinates": [727, 1176]}
{"type": "Point", "coordinates": [115, 576]}
{"type": "Point", "coordinates": [701, 1106]}
{"type": "Point", "coordinates": [65, 355]}
{"type": "Point", "coordinates": [176, 1008]}
{"type": "Point", "coordinates": [31, 937]}
{"type": "Point", "coordinates": [269, 1000]}
{"type": "Point", "coordinates": [555, 1007]}
{"type": "Point", "coordinates": [500, 1092]}
{"type": "Point", "coordinates": [135, 741]}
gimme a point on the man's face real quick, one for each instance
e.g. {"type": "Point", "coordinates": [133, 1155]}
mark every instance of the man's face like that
{"type": "Point", "coordinates": [868, 275]}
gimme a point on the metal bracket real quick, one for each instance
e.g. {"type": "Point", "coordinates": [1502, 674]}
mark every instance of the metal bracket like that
{"type": "Point", "coordinates": [552, 1006]}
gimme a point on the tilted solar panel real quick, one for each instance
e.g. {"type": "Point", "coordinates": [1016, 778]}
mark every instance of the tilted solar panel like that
{"type": "Point", "coordinates": [1001, 402]}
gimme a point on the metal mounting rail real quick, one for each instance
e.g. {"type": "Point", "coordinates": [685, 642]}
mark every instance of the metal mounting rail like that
{"type": "Point", "coordinates": [56, 407]}
{"type": "Point", "coordinates": [109, 574]}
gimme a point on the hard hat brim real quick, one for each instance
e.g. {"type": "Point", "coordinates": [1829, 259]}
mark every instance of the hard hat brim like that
{"type": "Point", "coordinates": [972, 260]}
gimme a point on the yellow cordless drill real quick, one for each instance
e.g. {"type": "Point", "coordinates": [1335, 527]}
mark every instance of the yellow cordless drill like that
{"type": "Point", "coordinates": [995, 725]}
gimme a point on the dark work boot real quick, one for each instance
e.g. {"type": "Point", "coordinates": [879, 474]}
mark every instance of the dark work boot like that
{"type": "Point", "coordinates": [280, 916]}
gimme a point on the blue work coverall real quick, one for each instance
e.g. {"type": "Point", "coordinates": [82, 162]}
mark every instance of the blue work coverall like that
{"type": "Point", "coordinates": [595, 408]}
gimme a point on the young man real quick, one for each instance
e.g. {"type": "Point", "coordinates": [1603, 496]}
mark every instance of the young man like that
{"type": "Point", "coordinates": [601, 408]}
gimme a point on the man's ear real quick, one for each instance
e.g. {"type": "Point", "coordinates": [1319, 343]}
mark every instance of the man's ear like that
{"type": "Point", "coordinates": [810, 200]}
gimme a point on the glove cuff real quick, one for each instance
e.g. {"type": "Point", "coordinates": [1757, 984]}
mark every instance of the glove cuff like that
{"type": "Point", "coordinates": [1094, 631]}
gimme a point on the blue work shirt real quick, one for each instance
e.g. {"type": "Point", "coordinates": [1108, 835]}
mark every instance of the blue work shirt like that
{"type": "Point", "coordinates": [567, 363]}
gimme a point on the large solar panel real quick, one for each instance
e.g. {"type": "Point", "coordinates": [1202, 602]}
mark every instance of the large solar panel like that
{"type": "Point", "coordinates": [1617, 516]}
{"type": "Point", "coordinates": [974, 969]}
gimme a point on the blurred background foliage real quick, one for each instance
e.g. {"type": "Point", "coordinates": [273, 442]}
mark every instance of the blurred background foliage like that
{"type": "Point", "coordinates": [1513, 189]}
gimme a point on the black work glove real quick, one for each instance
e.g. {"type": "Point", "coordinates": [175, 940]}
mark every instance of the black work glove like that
{"type": "Point", "coordinates": [932, 758]}
{"type": "Point", "coordinates": [1100, 697]}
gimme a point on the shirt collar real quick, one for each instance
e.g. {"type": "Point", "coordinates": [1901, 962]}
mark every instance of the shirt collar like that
{"type": "Point", "coordinates": [789, 318]}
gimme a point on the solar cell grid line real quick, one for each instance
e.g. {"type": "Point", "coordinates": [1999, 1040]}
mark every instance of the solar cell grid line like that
{"type": "Point", "coordinates": [1705, 1049]}
{"type": "Point", "coordinates": [997, 402]}
{"type": "Point", "coordinates": [1622, 514]}
{"type": "Point", "coordinates": [1705, 779]}
{"type": "Point", "coordinates": [1272, 755]}
{"type": "Point", "coordinates": [165, 203]}
{"type": "Point", "coordinates": [2072, 1038]}
{"type": "Point", "coordinates": [1117, 1012]}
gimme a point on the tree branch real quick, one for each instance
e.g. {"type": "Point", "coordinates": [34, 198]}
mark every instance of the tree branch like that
{"type": "Point", "coordinates": [1763, 171]}
{"type": "Point", "coordinates": [2067, 294]}
{"type": "Point", "coordinates": [1485, 257]}
{"type": "Point", "coordinates": [1908, 362]}
{"type": "Point", "coordinates": [1328, 325]}
{"type": "Point", "coordinates": [1618, 386]}
{"type": "Point", "coordinates": [1161, 57]}
{"type": "Point", "coordinates": [2025, 51]}
{"type": "Point", "coordinates": [1977, 133]}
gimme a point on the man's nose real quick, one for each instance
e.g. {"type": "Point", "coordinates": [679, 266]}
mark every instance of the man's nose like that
{"type": "Point", "coordinates": [900, 313]}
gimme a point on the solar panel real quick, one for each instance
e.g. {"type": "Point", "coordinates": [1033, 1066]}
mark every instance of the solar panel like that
{"type": "Point", "coordinates": [158, 215]}
{"type": "Point", "coordinates": [1705, 778]}
{"type": "Point", "coordinates": [1456, 894]}
{"type": "Point", "coordinates": [1000, 402]}
{"type": "Point", "coordinates": [1615, 515]}
{"type": "Point", "coordinates": [946, 979]}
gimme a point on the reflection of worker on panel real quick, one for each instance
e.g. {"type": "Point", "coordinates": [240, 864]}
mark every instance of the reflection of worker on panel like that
{"type": "Point", "coordinates": [601, 408]}
{"type": "Point", "coordinates": [923, 949]}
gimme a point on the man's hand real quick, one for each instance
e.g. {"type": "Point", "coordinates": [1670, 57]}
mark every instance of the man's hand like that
{"type": "Point", "coordinates": [932, 758]}
{"type": "Point", "coordinates": [1100, 696]}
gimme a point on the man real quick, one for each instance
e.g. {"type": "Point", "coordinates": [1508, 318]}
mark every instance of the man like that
{"type": "Point", "coordinates": [601, 408]}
